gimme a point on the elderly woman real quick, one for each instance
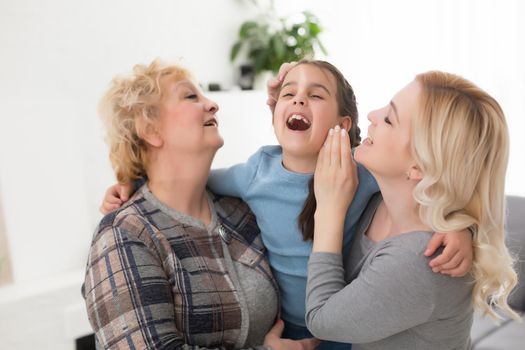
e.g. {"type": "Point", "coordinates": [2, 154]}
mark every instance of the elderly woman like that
{"type": "Point", "coordinates": [438, 151]}
{"type": "Point", "coordinates": [175, 266]}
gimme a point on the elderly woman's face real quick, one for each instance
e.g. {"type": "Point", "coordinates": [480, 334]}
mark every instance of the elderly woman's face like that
{"type": "Point", "coordinates": [386, 152]}
{"type": "Point", "coordinates": [187, 121]}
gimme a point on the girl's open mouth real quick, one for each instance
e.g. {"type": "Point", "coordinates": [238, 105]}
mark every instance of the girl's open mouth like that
{"type": "Point", "coordinates": [297, 122]}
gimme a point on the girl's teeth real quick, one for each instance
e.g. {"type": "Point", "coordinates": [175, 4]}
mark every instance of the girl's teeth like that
{"type": "Point", "coordinates": [298, 117]}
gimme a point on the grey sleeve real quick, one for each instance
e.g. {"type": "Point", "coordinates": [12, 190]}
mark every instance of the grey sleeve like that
{"type": "Point", "coordinates": [392, 294]}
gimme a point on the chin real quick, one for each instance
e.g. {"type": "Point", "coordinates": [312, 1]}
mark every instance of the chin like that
{"type": "Point", "coordinates": [220, 143]}
{"type": "Point", "coordinates": [358, 154]}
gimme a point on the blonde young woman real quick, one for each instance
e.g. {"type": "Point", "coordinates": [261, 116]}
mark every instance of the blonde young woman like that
{"type": "Point", "coordinates": [176, 267]}
{"type": "Point", "coordinates": [439, 153]}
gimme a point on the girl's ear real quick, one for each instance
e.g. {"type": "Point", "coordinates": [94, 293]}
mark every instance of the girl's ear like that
{"type": "Point", "coordinates": [346, 123]}
{"type": "Point", "coordinates": [148, 131]}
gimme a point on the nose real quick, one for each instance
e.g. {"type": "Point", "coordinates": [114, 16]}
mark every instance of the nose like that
{"type": "Point", "coordinates": [211, 106]}
{"type": "Point", "coordinates": [299, 100]}
{"type": "Point", "coordinates": [371, 117]}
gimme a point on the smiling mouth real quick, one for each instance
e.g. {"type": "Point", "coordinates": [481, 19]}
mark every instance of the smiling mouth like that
{"type": "Point", "coordinates": [212, 122]}
{"type": "Point", "coordinates": [297, 122]}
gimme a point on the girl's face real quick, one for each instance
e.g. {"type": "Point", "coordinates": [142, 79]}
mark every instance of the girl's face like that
{"type": "Point", "coordinates": [306, 109]}
{"type": "Point", "coordinates": [386, 152]}
{"type": "Point", "coordinates": [187, 120]}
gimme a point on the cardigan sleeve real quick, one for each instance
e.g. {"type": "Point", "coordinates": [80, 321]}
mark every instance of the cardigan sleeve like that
{"type": "Point", "coordinates": [127, 291]}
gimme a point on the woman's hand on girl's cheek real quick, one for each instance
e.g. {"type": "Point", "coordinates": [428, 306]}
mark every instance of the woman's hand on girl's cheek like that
{"type": "Point", "coordinates": [274, 84]}
{"type": "Point", "coordinates": [335, 178]}
{"type": "Point", "coordinates": [457, 256]}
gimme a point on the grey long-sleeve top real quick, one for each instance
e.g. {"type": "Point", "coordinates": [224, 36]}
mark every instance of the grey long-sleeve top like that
{"type": "Point", "coordinates": [388, 298]}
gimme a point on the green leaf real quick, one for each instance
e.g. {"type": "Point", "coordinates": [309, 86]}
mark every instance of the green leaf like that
{"type": "Point", "coordinates": [314, 29]}
{"type": "Point", "coordinates": [235, 50]}
{"type": "Point", "coordinates": [246, 28]}
{"type": "Point", "coordinates": [279, 46]}
{"type": "Point", "coordinates": [261, 61]}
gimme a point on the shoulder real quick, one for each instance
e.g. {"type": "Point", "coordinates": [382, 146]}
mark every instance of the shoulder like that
{"type": "Point", "coordinates": [407, 249]}
{"type": "Point", "coordinates": [406, 259]}
{"type": "Point", "coordinates": [402, 258]}
{"type": "Point", "coordinates": [271, 151]}
{"type": "Point", "coordinates": [125, 224]}
{"type": "Point", "coordinates": [265, 154]}
{"type": "Point", "coordinates": [264, 162]}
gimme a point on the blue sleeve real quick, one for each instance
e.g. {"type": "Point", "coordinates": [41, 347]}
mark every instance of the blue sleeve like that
{"type": "Point", "coordinates": [236, 180]}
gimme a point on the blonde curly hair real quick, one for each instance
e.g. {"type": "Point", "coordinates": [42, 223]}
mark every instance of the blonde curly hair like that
{"type": "Point", "coordinates": [130, 104]}
{"type": "Point", "coordinates": [460, 141]}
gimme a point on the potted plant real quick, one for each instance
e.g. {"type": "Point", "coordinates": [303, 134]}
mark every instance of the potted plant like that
{"type": "Point", "coordinates": [270, 40]}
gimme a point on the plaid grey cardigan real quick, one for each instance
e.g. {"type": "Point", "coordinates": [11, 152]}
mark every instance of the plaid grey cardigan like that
{"type": "Point", "coordinates": [155, 283]}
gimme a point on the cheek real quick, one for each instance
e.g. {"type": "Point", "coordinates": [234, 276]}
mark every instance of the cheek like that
{"type": "Point", "coordinates": [279, 110]}
{"type": "Point", "coordinates": [326, 117]}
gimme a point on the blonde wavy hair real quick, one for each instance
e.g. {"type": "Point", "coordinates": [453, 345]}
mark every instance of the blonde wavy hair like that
{"type": "Point", "coordinates": [460, 141]}
{"type": "Point", "coordinates": [127, 108]}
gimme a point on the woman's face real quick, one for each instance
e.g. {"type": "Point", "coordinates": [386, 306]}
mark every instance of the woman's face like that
{"type": "Point", "coordinates": [187, 120]}
{"type": "Point", "coordinates": [386, 151]}
{"type": "Point", "coordinates": [306, 109]}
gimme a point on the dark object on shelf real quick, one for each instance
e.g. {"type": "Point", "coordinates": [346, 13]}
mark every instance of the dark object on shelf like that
{"type": "Point", "coordinates": [85, 343]}
{"type": "Point", "coordinates": [247, 77]}
{"type": "Point", "coordinates": [214, 87]}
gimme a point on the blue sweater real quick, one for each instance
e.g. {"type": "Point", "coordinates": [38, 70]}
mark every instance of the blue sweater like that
{"type": "Point", "coordinates": [276, 196]}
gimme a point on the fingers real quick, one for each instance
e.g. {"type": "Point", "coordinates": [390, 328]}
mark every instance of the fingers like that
{"type": "Point", "coordinates": [435, 242]}
{"type": "Point", "coordinates": [124, 192]}
{"type": "Point", "coordinates": [327, 150]}
{"type": "Point", "coordinates": [459, 271]}
{"type": "Point", "coordinates": [309, 343]}
{"type": "Point", "coordinates": [335, 148]}
{"type": "Point", "coordinates": [277, 329]}
{"type": "Point", "coordinates": [284, 69]}
{"type": "Point", "coordinates": [114, 197]}
{"type": "Point", "coordinates": [106, 208]}
{"type": "Point", "coordinates": [453, 263]}
{"type": "Point", "coordinates": [447, 255]}
{"type": "Point", "coordinates": [274, 82]}
{"type": "Point", "coordinates": [346, 152]}
{"type": "Point", "coordinates": [321, 157]}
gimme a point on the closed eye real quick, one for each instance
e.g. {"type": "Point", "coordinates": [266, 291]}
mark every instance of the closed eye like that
{"type": "Point", "coordinates": [191, 96]}
{"type": "Point", "coordinates": [317, 97]}
{"type": "Point", "coordinates": [387, 120]}
{"type": "Point", "coordinates": [288, 94]}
